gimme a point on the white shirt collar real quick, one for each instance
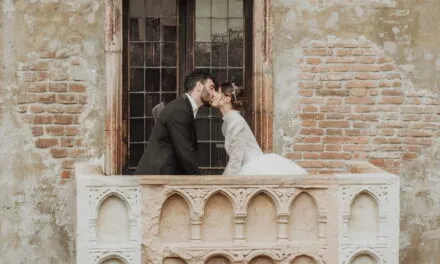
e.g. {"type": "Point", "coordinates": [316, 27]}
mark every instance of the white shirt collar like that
{"type": "Point", "coordinates": [193, 104]}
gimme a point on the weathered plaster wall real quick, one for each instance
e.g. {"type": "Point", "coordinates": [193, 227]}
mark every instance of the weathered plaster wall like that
{"type": "Point", "coordinates": [405, 33]}
{"type": "Point", "coordinates": [51, 114]}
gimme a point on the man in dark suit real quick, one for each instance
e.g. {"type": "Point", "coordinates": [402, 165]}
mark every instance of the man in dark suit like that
{"type": "Point", "coordinates": [172, 146]}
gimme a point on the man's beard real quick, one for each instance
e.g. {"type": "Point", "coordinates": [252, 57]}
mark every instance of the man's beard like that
{"type": "Point", "coordinates": [205, 98]}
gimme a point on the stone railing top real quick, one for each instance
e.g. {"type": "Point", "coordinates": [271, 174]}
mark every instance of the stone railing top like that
{"type": "Point", "coordinates": [358, 173]}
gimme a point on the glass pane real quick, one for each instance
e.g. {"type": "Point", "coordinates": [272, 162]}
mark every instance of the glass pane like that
{"type": "Point", "coordinates": [136, 80]}
{"type": "Point", "coordinates": [203, 154]}
{"type": "Point", "coordinates": [168, 97]}
{"type": "Point", "coordinates": [236, 23]}
{"type": "Point", "coordinates": [136, 54]}
{"type": "Point", "coordinates": [219, 30]}
{"type": "Point", "coordinates": [236, 54]}
{"type": "Point", "coordinates": [136, 105]}
{"type": "Point", "coordinates": [152, 80]}
{"type": "Point", "coordinates": [203, 8]}
{"type": "Point", "coordinates": [149, 122]}
{"type": "Point", "coordinates": [169, 7]}
{"type": "Point", "coordinates": [136, 151]}
{"type": "Point", "coordinates": [152, 54]}
{"type": "Point", "coordinates": [220, 8]}
{"type": "Point", "coordinates": [137, 8]}
{"type": "Point", "coordinates": [235, 8]}
{"type": "Point", "coordinates": [169, 54]}
{"type": "Point", "coordinates": [202, 128]}
{"type": "Point", "coordinates": [216, 133]}
{"type": "Point", "coordinates": [218, 155]}
{"type": "Point", "coordinates": [203, 54]}
{"type": "Point", "coordinates": [219, 54]}
{"type": "Point", "coordinates": [151, 100]}
{"type": "Point", "coordinates": [152, 29]}
{"type": "Point", "coordinates": [236, 76]}
{"type": "Point", "coordinates": [203, 30]}
{"type": "Point", "coordinates": [220, 75]}
{"type": "Point", "coordinates": [137, 130]}
{"type": "Point", "coordinates": [169, 80]}
{"type": "Point", "coordinates": [134, 29]}
{"type": "Point", "coordinates": [169, 29]}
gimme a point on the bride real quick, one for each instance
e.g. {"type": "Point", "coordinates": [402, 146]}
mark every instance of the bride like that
{"type": "Point", "coordinates": [245, 155]}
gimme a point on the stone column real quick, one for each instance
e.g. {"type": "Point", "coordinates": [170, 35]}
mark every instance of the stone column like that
{"type": "Point", "coordinates": [282, 220]}
{"type": "Point", "coordinates": [240, 235]}
{"type": "Point", "coordinates": [113, 62]}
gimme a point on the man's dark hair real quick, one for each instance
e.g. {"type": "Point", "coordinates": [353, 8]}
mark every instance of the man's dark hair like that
{"type": "Point", "coordinates": [194, 77]}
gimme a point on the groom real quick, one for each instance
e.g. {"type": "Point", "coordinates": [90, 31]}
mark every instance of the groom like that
{"type": "Point", "coordinates": [172, 146]}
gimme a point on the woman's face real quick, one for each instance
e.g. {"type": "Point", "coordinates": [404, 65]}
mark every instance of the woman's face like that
{"type": "Point", "coordinates": [220, 99]}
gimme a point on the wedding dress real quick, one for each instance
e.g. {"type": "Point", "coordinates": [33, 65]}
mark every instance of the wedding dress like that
{"type": "Point", "coordinates": [245, 155]}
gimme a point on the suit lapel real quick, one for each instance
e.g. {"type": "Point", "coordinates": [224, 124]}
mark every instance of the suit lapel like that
{"type": "Point", "coordinates": [190, 109]}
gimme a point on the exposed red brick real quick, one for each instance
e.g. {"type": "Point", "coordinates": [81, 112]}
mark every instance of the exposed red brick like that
{"type": "Point", "coordinates": [36, 109]}
{"type": "Point", "coordinates": [66, 174]}
{"type": "Point", "coordinates": [37, 131]}
{"type": "Point", "coordinates": [77, 88]}
{"type": "Point", "coordinates": [360, 100]}
{"type": "Point", "coordinates": [66, 99]}
{"type": "Point", "coordinates": [55, 130]}
{"type": "Point", "coordinates": [310, 163]}
{"type": "Point", "coordinates": [58, 87]}
{"type": "Point", "coordinates": [392, 100]}
{"type": "Point", "coordinates": [58, 152]}
{"type": "Point", "coordinates": [332, 92]}
{"type": "Point", "coordinates": [42, 119]}
{"type": "Point", "coordinates": [334, 124]}
{"type": "Point", "coordinates": [46, 142]}
{"type": "Point", "coordinates": [313, 61]}
{"type": "Point", "coordinates": [308, 147]}
{"type": "Point", "coordinates": [318, 52]}
{"type": "Point", "coordinates": [72, 131]}
{"type": "Point", "coordinates": [37, 87]}
{"type": "Point", "coordinates": [46, 98]}
{"type": "Point", "coordinates": [63, 119]}
{"type": "Point", "coordinates": [78, 152]}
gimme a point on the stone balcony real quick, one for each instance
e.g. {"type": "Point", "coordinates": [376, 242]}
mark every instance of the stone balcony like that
{"type": "Point", "coordinates": [350, 218]}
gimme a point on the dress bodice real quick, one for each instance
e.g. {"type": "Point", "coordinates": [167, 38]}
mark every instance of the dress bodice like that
{"type": "Point", "coordinates": [240, 143]}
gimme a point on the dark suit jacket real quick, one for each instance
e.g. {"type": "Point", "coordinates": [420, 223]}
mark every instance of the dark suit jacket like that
{"type": "Point", "coordinates": [172, 146]}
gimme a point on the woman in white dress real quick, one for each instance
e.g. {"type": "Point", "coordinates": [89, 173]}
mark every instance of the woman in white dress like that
{"type": "Point", "coordinates": [245, 155]}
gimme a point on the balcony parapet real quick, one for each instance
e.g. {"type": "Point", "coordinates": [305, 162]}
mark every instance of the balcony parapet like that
{"type": "Point", "coordinates": [345, 218]}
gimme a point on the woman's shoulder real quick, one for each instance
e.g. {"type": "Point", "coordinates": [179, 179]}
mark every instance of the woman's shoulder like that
{"type": "Point", "coordinates": [234, 118]}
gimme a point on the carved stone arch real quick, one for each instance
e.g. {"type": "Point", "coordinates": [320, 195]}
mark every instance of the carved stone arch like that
{"type": "Point", "coordinates": [118, 195]}
{"type": "Point", "coordinates": [262, 253]}
{"type": "Point", "coordinates": [219, 253]}
{"type": "Point", "coordinates": [364, 252]}
{"type": "Point", "coordinates": [295, 195]}
{"type": "Point", "coordinates": [269, 193]}
{"type": "Point", "coordinates": [262, 81]}
{"type": "Point", "coordinates": [185, 197]}
{"type": "Point", "coordinates": [373, 195]}
{"type": "Point", "coordinates": [218, 191]}
{"type": "Point", "coordinates": [109, 256]}
{"type": "Point", "coordinates": [293, 257]}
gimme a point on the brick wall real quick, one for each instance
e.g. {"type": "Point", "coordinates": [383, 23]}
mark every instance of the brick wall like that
{"type": "Point", "coordinates": [355, 105]}
{"type": "Point", "coordinates": [51, 100]}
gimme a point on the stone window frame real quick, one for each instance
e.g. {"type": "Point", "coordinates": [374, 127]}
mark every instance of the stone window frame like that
{"type": "Point", "coordinates": [262, 81]}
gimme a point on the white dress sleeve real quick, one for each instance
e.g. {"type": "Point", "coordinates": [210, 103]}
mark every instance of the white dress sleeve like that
{"type": "Point", "coordinates": [235, 147]}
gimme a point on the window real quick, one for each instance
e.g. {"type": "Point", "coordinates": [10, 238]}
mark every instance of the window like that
{"type": "Point", "coordinates": [165, 40]}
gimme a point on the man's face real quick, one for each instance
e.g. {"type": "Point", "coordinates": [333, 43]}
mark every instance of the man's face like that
{"type": "Point", "coordinates": [208, 92]}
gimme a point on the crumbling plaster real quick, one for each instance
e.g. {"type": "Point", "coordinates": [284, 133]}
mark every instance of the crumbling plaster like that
{"type": "Point", "coordinates": [408, 31]}
{"type": "Point", "coordinates": [36, 206]}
